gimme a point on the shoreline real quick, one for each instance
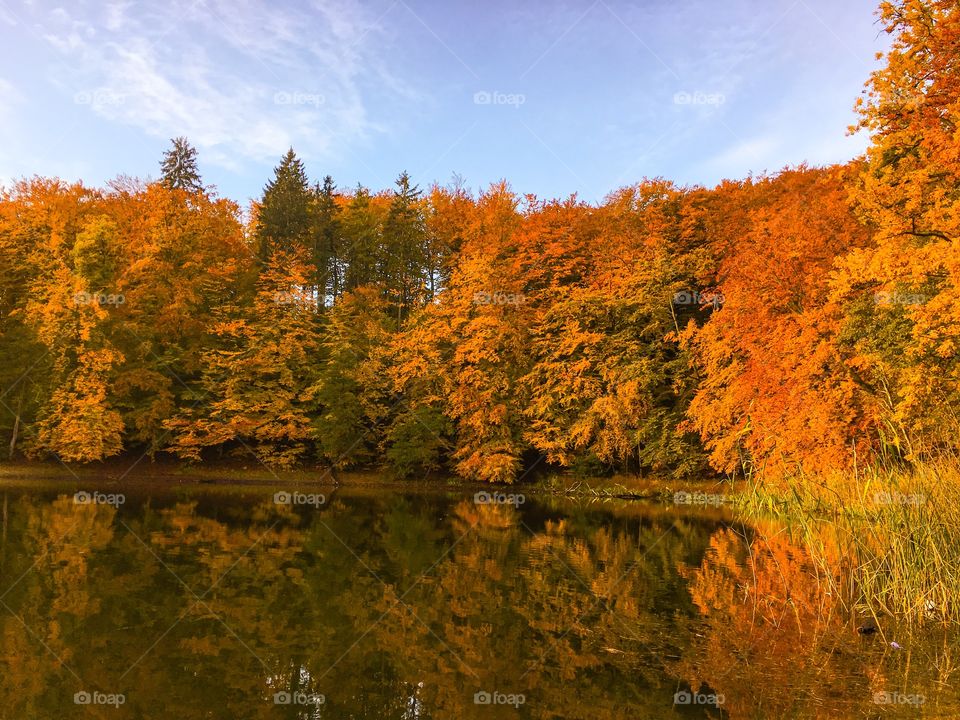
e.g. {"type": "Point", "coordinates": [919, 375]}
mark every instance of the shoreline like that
{"type": "Point", "coordinates": [168, 475]}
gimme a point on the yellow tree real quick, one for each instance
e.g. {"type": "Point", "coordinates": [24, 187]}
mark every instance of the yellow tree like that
{"type": "Point", "coordinates": [472, 341]}
{"type": "Point", "coordinates": [184, 257]}
{"type": "Point", "coordinates": [255, 384]}
{"type": "Point", "coordinates": [607, 381]}
{"type": "Point", "coordinates": [774, 390]}
{"type": "Point", "coordinates": [901, 292]}
{"type": "Point", "coordinates": [72, 306]}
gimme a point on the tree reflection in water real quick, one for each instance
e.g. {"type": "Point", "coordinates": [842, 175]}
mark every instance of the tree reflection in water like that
{"type": "Point", "coordinates": [404, 605]}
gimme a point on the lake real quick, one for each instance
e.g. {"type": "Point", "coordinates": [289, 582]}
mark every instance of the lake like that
{"type": "Point", "coordinates": [245, 602]}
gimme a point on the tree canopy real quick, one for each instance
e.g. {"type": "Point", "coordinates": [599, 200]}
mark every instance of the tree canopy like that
{"type": "Point", "coordinates": [801, 319]}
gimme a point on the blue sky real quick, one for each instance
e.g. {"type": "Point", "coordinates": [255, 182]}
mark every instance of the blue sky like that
{"type": "Point", "coordinates": [556, 97]}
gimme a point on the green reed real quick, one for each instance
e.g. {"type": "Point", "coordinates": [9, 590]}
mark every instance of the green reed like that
{"type": "Point", "coordinates": [887, 540]}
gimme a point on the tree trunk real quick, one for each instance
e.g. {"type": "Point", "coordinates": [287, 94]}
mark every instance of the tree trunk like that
{"type": "Point", "coordinates": [16, 424]}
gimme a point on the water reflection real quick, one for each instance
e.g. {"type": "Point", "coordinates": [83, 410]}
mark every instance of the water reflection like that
{"type": "Point", "coordinates": [222, 603]}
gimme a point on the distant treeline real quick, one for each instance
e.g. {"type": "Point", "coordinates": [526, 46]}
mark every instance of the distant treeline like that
{"type": "Point", "coordinates": [810, 318]}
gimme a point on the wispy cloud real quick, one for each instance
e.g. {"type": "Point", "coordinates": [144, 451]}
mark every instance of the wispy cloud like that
{"type": "Point", "coordinates": [241, 80]}
{"type": "Point", "coordinates": [613, 90]}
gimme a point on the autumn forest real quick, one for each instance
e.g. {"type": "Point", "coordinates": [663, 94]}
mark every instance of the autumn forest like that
{"type": "Point", "coordinates": [803, 319]}
{"type": "Point", "coordinates": [427, 450]}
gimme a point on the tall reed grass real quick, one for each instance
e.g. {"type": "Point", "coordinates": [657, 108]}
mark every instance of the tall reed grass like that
{"type": "Point", "coordinates": [886, 540]}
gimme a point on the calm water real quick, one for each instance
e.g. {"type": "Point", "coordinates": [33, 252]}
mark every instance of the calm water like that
{"type": "Point", "coordinates": [222, 603]}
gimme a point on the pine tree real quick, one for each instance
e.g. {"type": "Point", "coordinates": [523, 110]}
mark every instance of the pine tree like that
{"type": "Point", "coordinates": [179, 167]}
{"type": "Point", "coordinates": [403, 260]}
{"type": "Point", "coordinates": [350, 395]}
{"type": "Point", "coordinates": [327, 250]}
{"type": "Point", "coordinates": [361, 239]}
{"type": "Point", "coordinates": [283, 219]}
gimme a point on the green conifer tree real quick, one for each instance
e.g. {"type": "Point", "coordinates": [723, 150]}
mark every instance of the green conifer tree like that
{"type": "Point", "coordinates": [283, 219]}
{"type": "Point", "coordinates": [179, 167]}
